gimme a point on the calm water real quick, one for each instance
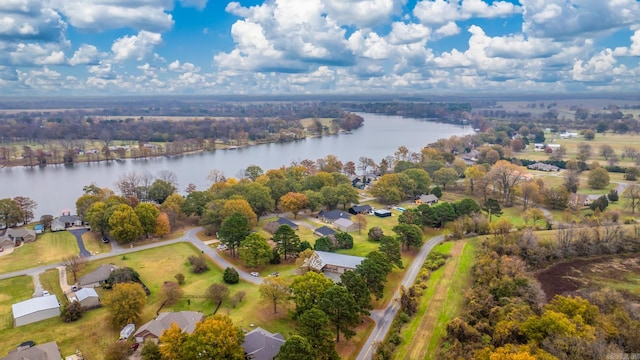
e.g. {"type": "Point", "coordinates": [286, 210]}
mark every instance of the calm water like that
{"type": "Point", "coordinates": [55, 188]}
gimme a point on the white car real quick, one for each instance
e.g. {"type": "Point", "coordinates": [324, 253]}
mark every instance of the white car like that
{"type": "Point", "coordinates": [255, 273]}
{"type": "Point", "coordinates": [222, 247]}
{"type": "Point", "coordinates": [45, 293]}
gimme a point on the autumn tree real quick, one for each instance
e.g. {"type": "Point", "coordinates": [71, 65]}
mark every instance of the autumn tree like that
{"type": "Point", "coordinates": [147, 215]}
{"type": "Point", "coordinates": [163, 226]}
{"type": "Point", "coordinates": [125, 303]}
{"type": "Point", "coordinates": [215, 338]}
{"type": "Point", "coordinates": [240, 206]}
{"type": "Point", "coordinates": [254, 250]}
{"type": "Point", "coordinates": [274, 291]}
{"type": "Point", "coordinates": [217, 293]}
{"type": "Point", "coordinates": [387, 189]}
{"type": "Point", "coordinates": [472, 174]}
{"type": "Point", "coordinates": [172, 341]}
{"type": "Point", "coordinates": [529, 193]}
{"type": "Point", "coordinates": [361, 221]}
{"type": "Point", "coordinates": [307, 290]}
{"type": "Point", "coordinates": [631, 195]}
{"type": "Point", "coordinates": [124, 224]}
{"type": "Point", "coordinates": [171, 292]}
{"type": "Point", "coordinates": [74, 264]}
{"type": "Point", "coordinates": [445, 176]}
{"type": "Point", "coordinates": [294, 202]}
{"type": "Point", "coordinates": [287, 241]}
{"type": "Point", "coordinates": [506, 176]}
{"type": "Point", "coordinates": [233, 230]}
{"type": "Point", "coordinates": [599, 178]}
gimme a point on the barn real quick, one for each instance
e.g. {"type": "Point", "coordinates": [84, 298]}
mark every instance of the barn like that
{"type": "Point", "coordinates": [36, 309]}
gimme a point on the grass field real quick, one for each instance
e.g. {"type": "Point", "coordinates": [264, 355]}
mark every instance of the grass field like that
{"type": "Point", "coordinates": [49, 248]}
{"type": "Point", "coordinates": [14, 290]}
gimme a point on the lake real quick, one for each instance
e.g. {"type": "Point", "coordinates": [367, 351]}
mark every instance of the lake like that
{"type": "Point", "coordinates": [56, 187]}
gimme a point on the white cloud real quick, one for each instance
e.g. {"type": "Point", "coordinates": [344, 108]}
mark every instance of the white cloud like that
{"type": "Point", "coordinates": [36, 54]}
{"type": "Point", "coordinates": [85, 55]}
{"type": "Point", "coordinates": [30, 20]}
{"type": "Point", "coordinates": [362, 13]}
{"type": "Point", "coordinates": [403, 33]}
{"type": "Point", "coordinates": [448, 29]}
{"type": "Point", "coordinates": [136, 46]}
{"type": "Point", "coordinates": [99, 15]}
{"type": "Point", "coordinates": [439, 12]}
{"type": "Point", "coordinates": [103, 71]}
{"type": "Point", "coordinates": [198, 4]}
{"type": "Point", "coordinates": [186, 67]}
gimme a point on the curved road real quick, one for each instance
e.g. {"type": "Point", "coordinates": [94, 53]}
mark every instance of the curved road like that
{"type": "Point", "coordinates": [384, 318]}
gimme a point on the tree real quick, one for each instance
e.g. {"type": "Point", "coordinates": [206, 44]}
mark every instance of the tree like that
{"type": "Point", "coordinates": [125, 303]}
{"type": "Point", "coordinates": [315, 199]}
{"type": "Point", "coordinates": [233, 230]}
{"type": "Point", "coordinates": [274, 291]}
{"type": "Point", "coordinates": [357, 287]}
{"type": "Point", "coordinates": [375, 233]}
{"type": "Point", "coordinates": [409, 235]}
{"type": "Point", "coordinates": [83, 204]}
{"type": "Point", "coordinates": [163, 225]}
{"type": "Point", "coordinates": [118, 350]}
{"type": "Point", "coordinates": [259, 198]}
{"type": "Point", "coordinates": [421, 179]}
{"type": "Point", "coordinates": [27, 206]}
{"type": "Point", "coordinates": [240, 206]}
{"type": "Point", "coordinates": [124, 224]}
{"type": "Point", "coordinates": [492, 207]}
{"type": "Point", "coordinates": [150, 351]}
{"type": "Point", "coordinates": [343, 240]}
{"type": "Point", "coordinates": [287, 241]}
{"type": "Point", "coordinates": [472, 174]}
{"type": "Point", "coordinates": [390, 246]}
{"type": "Point", "coordinates": [584, 151]}
{"type": "Point", "coordinates": [346, 195]}
{"type": "Point", "coordinates": [601, 203]}
{"type": "Point", "coordinates": [387, 189]}
{"type": "Point", "coordinates": [172, 341]}
{"type": "Point", "coordinates": [307, 290]}
{"type": "Point", "coordinates": [196, 202]}
{"type": "Point", "coordinates": [72, 311]}
{"type": "Point", "coordinates": [253, 172]}
{"type": "Point", "coordinates": [217, 293]}
{"type": "Point", "coordinates": [74, 264]}
{"type": "Point", "coordinates": [10, 213]}
{"type": "Point", "coordinates": [556, 197]}
{"type": "Point", "coordinates": [171, 292]}
{"type": "Point", "coordinates": [445, 176]}
{"type": "Point", "coordinates": [294, 202]}
{"type": "Point", "coordinates": [296, 348]}
{"type": "Point", "coordinates": [254, 250]}
{"type": "Point", "coordinates": [529, 193]}
{"type": "Point", "coordinates": [313, 325]}
{"type": "Point", "coordinates": [215, 338]}
{"type": "Point", "coordinates": [361, 221]}
{"type": "Point", "coordinates": [631, 173]}
{"type": "Point", "coordinates": [46, 221]}
{"type": "Point", "coordinates": [506, 176]}
{"type": "Point", "coordinates": [606, 151]}
{"type": "Point", "coordinates": [598, 178]}
{"type": "Point", "coordinates": [631, 194]}
{"type": "Point", "coordinates": [589, 135]}
{"type": "Point", "coordinates": [571, 181]}
{"type": "Point", "coordinates": [231, 276]}
{"type": "Point", "coordinates": [160, 190]}
{"type": "Point", "coordinates": [123, 275]}
{"type": "Point", "coordinates": [374, 270]}
{"type": "Point", "coordinates": [341, 309]}
{"type": "Point", "coordinates": [147, 215]}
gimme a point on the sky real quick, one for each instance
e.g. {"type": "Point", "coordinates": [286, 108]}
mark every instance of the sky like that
{"type": "Point", "coordinates": [167, 47]}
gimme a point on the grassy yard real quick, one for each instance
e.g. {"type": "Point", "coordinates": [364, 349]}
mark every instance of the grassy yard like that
{"type": "Point", "coordinates": [49, 248]}
{"type": "Point", "coordinates": [93, 243]}
{"type": "Point", "coordinates": [50, 281]}
{"type": "Point", "coordinates": [14, 290]}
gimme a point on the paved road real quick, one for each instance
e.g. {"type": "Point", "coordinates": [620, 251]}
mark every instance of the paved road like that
{"type": "Point", "coordinates": [78, 234]}
{"type": "Point", "coordinates": [384, 318]}
{"type": "Point", "coordinates": [190, 236]}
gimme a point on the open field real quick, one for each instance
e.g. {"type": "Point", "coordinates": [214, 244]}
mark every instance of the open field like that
{"type": "Point", "coordinates": [619, 272]}
{"type": "Point", "coordinates": [49, 248]}
{"type": "Point", "coordinates": [14, 290]}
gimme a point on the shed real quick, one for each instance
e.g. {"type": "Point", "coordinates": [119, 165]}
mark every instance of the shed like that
{"type": "Point", "coordinates": [345, 225]}
{"type": "Point", "coordinates": [324, 231]}
{"type": "Point", "coordinates": [88, 298]}
{"type": "Point", "coordinates": [382, 213]}
{"type": "Point", "coordinates": [36, 309]}
{"type": "Point", "coordinates": [39, 229]}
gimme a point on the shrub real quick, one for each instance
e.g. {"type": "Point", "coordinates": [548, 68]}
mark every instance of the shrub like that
{"type": "Point", "coordinates": [344, 240]}
{"type": "Point", "coordinates": [323, 244]}
{"type": "Point", "coordinates": [72, 312]}
{"type": "Point", "coordinates": [304, 245]}
{"type": "Point", "coordinates": [198, 264]}
{"type": "Point", "coordinates": [180, 278]}
{"type": "Point", "coordinates": [437, 192]}
{"type": "Point", "coordinates": [275, 259]}
{"type": "Point", "coordinates": [435, 260]}
{"type": "Point", "coordinates": [231, 276]}
{"type": "Point", "coordinates": [375, 233]}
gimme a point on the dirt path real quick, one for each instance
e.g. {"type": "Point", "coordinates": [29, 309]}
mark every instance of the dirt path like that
{"type": "Point", "coordinates": [422, 336]}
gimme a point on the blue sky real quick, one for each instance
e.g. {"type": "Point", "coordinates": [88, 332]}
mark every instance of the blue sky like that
{"type": "Point", "coordinates": [121, 47]}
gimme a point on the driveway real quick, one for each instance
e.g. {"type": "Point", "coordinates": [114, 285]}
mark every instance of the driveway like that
{"type": "Point", "coordinates": [78, 234]}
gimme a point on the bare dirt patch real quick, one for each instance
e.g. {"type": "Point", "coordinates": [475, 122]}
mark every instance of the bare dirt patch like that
{"type": "Point", "coordinates": [569, 277]}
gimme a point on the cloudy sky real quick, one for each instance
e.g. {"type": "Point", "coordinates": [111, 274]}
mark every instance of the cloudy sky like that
{"type": "Point", "coordinates": [118, 47]}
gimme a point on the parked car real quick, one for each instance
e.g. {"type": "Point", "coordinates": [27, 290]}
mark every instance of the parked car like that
{"type": "Point", "coordinates": [27, 344]}
{"type": "Point", "coordinates": [105, 239]}
{"type": "Point", "coordinates": [223, 247]}
{"type": "Point", "coordinates": [135, 346]}
{"type": "Point", "coordinates": [275, 273]}
{"type": "Point", "coordinates": [45, 293]}
{"type": "Point", "coordinates": [255, 273]}
{"type": "Point", "coordinates": [74, 288]}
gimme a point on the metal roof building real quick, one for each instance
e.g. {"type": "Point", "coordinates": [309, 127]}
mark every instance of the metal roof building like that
{"type": "Point", "coordinates": [36, 309]}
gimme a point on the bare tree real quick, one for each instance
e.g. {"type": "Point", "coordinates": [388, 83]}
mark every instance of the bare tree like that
{"type": "Point", "coordinates": [168, 176]}
{"type": "Point", "coordinates": [74, 264]}
{"type": "Point", "coordinates": [216, 176]}
{"type": "Point", "coordinates": [217, 293]}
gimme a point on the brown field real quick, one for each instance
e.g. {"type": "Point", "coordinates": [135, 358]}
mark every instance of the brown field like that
{"type": "Point", "coordinates": [620, 272]}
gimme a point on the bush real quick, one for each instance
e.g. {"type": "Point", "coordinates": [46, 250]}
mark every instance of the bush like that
{"type": "Point", "coordinates": [180, 278]}
{"type": "Point", "coordinates": [72, 312]}
{"type": "Point", "coordinates": [435, 260]}
{"type": "Point", "coordinates": [375, 233]}
{"type": "Point", "coordinates": [323, 244]}
{"type": "Point", "coordinates": [613, 195]}
{"type": "Point", "coordinates": [198, 264]}
{"type": "Point", "coordinates": [275, 259]}
{"type": "Point", "coordinates": [150, 351]}
{"type": "Point", "coordinates": [231, 276]}
{"type": "Point", "coordinates": [437, 192]}
{"type": "Point", "coordinates": [304, 245]}
{"type": "Point", "coordinates": [344, 240]}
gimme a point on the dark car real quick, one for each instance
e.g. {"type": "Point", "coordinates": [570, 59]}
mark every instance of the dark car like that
{"type": "Point", "coordinates": [27, 344]}
{"type": "Point", "coordinates": [134, 346]}
{"type": "Point", "coordinates": [105, 239]}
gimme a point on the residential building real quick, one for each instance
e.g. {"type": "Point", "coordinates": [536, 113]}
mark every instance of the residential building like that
{"type": "Point", "coordinates": [151, 331]}
{"type": "Point", "coordinates": [259, 344]}
{"type": "Point", "coordinates": [46, 351]}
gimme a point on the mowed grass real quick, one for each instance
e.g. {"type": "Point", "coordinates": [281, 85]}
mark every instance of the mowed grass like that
{"type": "Point", "coordinates": [14, 290]}
{"type": "Point", "coordinates": [50, 281]}
{"type": "Point", "coordinates": [93, 243]}
{"type": "Point", "coordinates": [49, 248]}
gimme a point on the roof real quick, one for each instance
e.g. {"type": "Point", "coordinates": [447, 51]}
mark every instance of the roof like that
{"type": "Point", "coordinates": [34, 305]}
{"type": "Point", "coordinates": [19, 233]}
{"type": "Point", "coordinates": [261, 344]}
{"type": "Point", "coordinates": [428, 198]}
{"type": "Point", "coordinates": [345, 261]}
{"type": "Point", "coordinates": [382, 212]}
{"type": "Point", "coordinates": [186, 320]}
{"type": "Point", "coordinates": [86, 293]}
{"type": "Point", "coordinates": [100, 274]}
{"type": "Point", "coordinates": [47, 351]}
{"type": "Point", "coordinates": [69, 218]}
{"type": "Point", "coordinates": [343, 223]}
{"type": "Point", "coordinates": [325, 231]}
{"type": "Point", "coordinates": [38, 227]}
{"type": "Point", "coordinates": [334, 214]}
{"type": "Point", "coordinates": [360, 208]}
{"type": "Point", "coordinates": [285, 221]}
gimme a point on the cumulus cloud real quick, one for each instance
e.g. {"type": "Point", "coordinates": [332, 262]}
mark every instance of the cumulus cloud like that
{"type": "Point", "coordinates": [85, 55]}
{"type": "Point", "coordinates": [36, 54]}
{"type": "Point", "coordinates": [137, 46]}
{"type": "Point", "coordinates": [439, 12]}
{"type": "Point", "coordinates": [564, 19]}
{"type": "Point", "coordinates": [29, 20]}
{"type": "Point", "coordinates": [186, 67]}
{"type": "Point", "coordinates": [403, 33]}
{"type": "Point", "coordinates": [103, 71]}
{"type": "Point", "coordinates": [99, 15]}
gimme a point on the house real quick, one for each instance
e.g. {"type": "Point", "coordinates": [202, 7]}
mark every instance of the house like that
{"type": "Point", "coordinates": [39, 229]}
{"type": "Point", "coordinates": [46, 351]}
{"type": "Point", "coordinates": [57, 225]}
{"type": "Point", "coordinates": [67, 220]}
{"type": "Point", "coordinates": [259, 344]}
{"type": "Point", "coordinates": [568, 135]}
{"type": "Point", "coordinates": [35, 309]}
{"type": "Point", "coordinates": [88, 298]}
{"type": "Point", "coordinates": [539, 147]}
{"type": "Point", "coordinates": [333, 215]}
{"type": "Point", "coordinates": [337, 263]}
{"type": "Point", "coordinates": [97, 277]}
{"type": "Point", "coordinates": [581, 200]}
{"type": "Point", "coordinates": [428, 199]}
{"type": "Point", "coordinates": [274, 225]}
{"type": "Point", "coordinates": [13, 237]}
{"type": "Point", "coordinates": [360, 209]}
{"type": "Point", "coordinates": [324, 231]}
{"type": "Point", "coordinates": [382, 213]}
{"type": "Point", "coordinates": [151, 331]}
{"type": "Point", "coordinates": [543, 167]}
{"type": "Point", "coordinates": [345, 225]}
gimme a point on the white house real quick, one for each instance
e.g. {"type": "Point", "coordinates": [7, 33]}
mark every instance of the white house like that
{"type": "Point", "coordinates": [36, 309]}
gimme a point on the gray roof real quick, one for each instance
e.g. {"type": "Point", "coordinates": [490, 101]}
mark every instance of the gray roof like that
{"type": "Point", "coordinates": [334, 214]}
{"type": "Point", "coordinates": [186, 320]}
{"type": "Point", "coordinates": [35, 304]}
{"type": "Point", "coordinates": [100, 274]}
{"type": "Point", "coordinates": [69, 218]}
{"type": "Point", "coordinates": [324, 231]}
{"type": "Point", "coordinates": [47, 351]}
{"type": "Point", "coordinates": [261, 344]}
{"type": "Point", "coordinates": [19, 233]}
{"type": "Point", "coordinates": [345, 261]}
{"type": "Point", "coordinates": [86, 293]}
{"type": "Point", "coordinates": [343, 222]}
{"type": "Point", "coordinates": [428, 198]}
{"type": "Point", "coordinates": [285, 221]}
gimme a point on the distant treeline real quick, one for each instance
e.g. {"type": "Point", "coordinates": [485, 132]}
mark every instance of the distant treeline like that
{"type": "Point", "coordinates": [414, 109]}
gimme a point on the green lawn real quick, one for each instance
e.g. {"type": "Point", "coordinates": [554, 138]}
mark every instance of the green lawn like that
{"type": "Point", "coordinates": [49, 248]}
{"type": "Point", "coordinates": [14, 290]}
{"type": "Point", "coordinates": [50, 281]}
